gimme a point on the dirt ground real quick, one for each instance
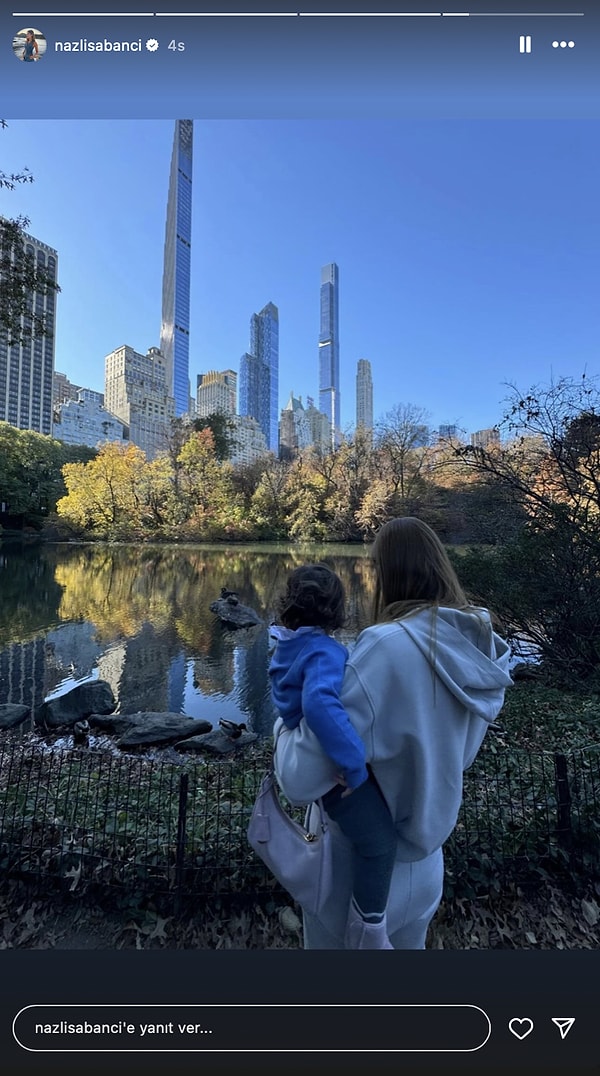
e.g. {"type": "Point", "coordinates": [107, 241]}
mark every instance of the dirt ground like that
{"type": "Point", "coordinates": [549, 918]}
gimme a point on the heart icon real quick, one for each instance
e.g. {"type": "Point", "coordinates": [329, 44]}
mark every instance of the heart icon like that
{"type": "Point", "coordinates": [520, 1027]}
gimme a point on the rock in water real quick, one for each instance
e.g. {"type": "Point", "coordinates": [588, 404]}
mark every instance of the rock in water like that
{"type": "Point", "coordinates": [235, 615]}
{"type": "Point", "coordinates": [93, 697]}
{"type": "Point", "coordinates": [216, 742]}
{"type": "Point", "coordinates": [152, 728]}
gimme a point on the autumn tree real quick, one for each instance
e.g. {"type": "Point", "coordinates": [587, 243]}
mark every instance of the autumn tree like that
{"type": "Point", "coordinates": [206, 490]}
{"type": "Point", "coordinates": [545, 581]}
{"type": "Point", "coordinates": [402, 440]}
{"type": "Point", "coordinates": [223, 432]}
{"type": "Point", "coordinates": [352, 480]}
{"type": "Point", "coordinates": [161, 511]}
{"type": "Point", "coordinates": [105, 496]}
{"type": "Point", "coordinates": [270, 505]}
{"type": "Point", "coordinates": [308, 488]}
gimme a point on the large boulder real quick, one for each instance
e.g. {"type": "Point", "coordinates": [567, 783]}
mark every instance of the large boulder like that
{"type": "Point", "coordinates": [116, 724]}
{"type": "Point", "coordinates": [13, 713]}
{"type": "Point", "coordinates": [93, 697]}
{"type": "Point", "coordinates": [151, 728]}
{"type": "Point", "coordinates": [235, 615]}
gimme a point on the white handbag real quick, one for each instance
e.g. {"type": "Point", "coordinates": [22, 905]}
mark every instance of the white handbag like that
{"type": "Point", "coordinates": [299, 857]}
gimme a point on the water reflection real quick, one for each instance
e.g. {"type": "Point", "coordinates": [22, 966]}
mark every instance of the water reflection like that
{"type": "Point", "coordinates": [139, 617]}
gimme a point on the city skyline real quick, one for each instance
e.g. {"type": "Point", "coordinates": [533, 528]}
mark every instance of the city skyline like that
{"type": "Point", "coordinates": [467, 250]}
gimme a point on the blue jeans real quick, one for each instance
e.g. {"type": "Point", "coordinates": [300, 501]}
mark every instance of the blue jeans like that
{"type": "Point", "coordinates": [365, 820]}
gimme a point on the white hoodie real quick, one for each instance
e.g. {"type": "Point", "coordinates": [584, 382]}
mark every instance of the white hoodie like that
{"type": "Point", "coordinates": [421, 692]}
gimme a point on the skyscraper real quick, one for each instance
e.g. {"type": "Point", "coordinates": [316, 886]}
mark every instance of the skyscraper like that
{"type": "Point", "coordinates": [27, 362]}
{"type": "Point", "coordinates": [216, 391]}
{"type": "Point", "coordinates": [329, 349]}
{"type": "Point", "coordinates": [364, 395]}
{"type": "Point", "coordinates": [135, 391]}
{"type": "Point", "coordinates": [175, 328]}
{"type": "Point", "coordinates": [259, 374]}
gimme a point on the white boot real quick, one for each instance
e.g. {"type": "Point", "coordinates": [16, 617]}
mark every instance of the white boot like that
{"type": "Point", "coordinates": [361, 934]}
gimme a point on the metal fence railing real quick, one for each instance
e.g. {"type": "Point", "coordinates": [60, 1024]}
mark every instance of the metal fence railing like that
{"type": "Point", "coordinates": [524, 812]}
{"type": "Point", "coordinates": [90, 818]}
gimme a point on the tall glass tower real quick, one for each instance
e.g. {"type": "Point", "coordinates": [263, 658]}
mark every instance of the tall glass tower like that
{"type": "Point", "coordinates": [329, 350]}
{"type": "Point", "coordinates": [175, 328]}
{"type": "Point", "coordinates": [259, 374]}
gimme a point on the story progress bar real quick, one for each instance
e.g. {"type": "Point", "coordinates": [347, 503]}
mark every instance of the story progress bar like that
{"type": "Point", "coordinates": [298, 14]}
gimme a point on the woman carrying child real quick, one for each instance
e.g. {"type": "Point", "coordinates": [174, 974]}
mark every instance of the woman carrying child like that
{"type": "Point", "coordinates": [421, 688]}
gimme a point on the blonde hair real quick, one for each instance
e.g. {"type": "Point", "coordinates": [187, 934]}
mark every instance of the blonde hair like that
{"type": "Point", "coordinates": [413, 571]}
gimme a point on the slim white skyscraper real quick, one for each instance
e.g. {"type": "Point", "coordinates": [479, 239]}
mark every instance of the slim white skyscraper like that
{"type": "Point", "coordinates": [175, 328]}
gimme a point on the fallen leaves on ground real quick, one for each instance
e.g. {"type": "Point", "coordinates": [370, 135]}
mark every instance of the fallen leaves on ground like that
{"type": "Point", "coordinates": [549, 918]}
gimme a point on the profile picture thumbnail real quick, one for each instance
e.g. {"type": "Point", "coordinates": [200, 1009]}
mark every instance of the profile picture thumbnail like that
{"type": "Point", "coordinates": [29, 45]}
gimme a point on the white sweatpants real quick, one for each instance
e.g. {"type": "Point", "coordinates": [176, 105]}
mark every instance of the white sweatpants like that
{"type": "Point", "coordinates": [415, 894]}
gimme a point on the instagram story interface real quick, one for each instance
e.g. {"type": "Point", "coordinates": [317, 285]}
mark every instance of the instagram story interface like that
{"type": "Point", "coordinates": [299, 554]}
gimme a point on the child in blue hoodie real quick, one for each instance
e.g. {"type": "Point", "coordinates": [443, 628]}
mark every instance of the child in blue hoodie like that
{"type": "Point", "coordinates": [307, 670]}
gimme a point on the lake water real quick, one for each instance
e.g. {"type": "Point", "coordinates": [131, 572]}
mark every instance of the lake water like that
{"type": "Point", "coordinates": [138, 617]}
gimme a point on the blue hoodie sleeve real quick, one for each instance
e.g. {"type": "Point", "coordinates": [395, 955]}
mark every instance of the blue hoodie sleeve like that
{"type": "Point", "coordinates": [327, 718]}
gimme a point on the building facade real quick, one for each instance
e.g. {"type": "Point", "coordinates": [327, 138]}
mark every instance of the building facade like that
{"type": "Point", "coordinates": [259, 374]}
{"type": "Point", "coordinates": [294, 428]}
{"type": "Point", "coordinates": [364, 395]}
{"type": "Point", "coordinates": [63, 389]}
{"type": "Point", "coordinates": [248, 441]}
{"type": "Point", "coordinates": [329, 349]}
{"type": "Point", "coordinates": [448, 431]}
{"type": "Point", "coordinates": [136, 392]}
{"type": "Point", "coordinates": [27, 361]}
{"type": "Point", "coordinates": [85, 421]}
{"type": "Point", "coordinates": [175, 328]}
{"type": "Point", "coordinates": [216, 392]}
{"type": "Point", "coordinates": [485, 438]}
{"type": "Point", "coordinates": [319, 427]}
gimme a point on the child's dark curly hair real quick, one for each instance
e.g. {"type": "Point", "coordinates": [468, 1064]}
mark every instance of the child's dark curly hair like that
{"type": "Point", "coordinates": [314, 596]}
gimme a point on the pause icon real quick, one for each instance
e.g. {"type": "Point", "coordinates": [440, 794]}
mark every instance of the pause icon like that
{"type": "Point", "coordinates": [525, 43]}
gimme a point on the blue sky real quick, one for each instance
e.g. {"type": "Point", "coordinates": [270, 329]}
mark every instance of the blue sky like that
{"type": "Point", "coordinates": [468, 250]}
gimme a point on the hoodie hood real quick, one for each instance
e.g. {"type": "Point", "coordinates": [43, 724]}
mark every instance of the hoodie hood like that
{"type": "Point", "coordinates": [467, 655]}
